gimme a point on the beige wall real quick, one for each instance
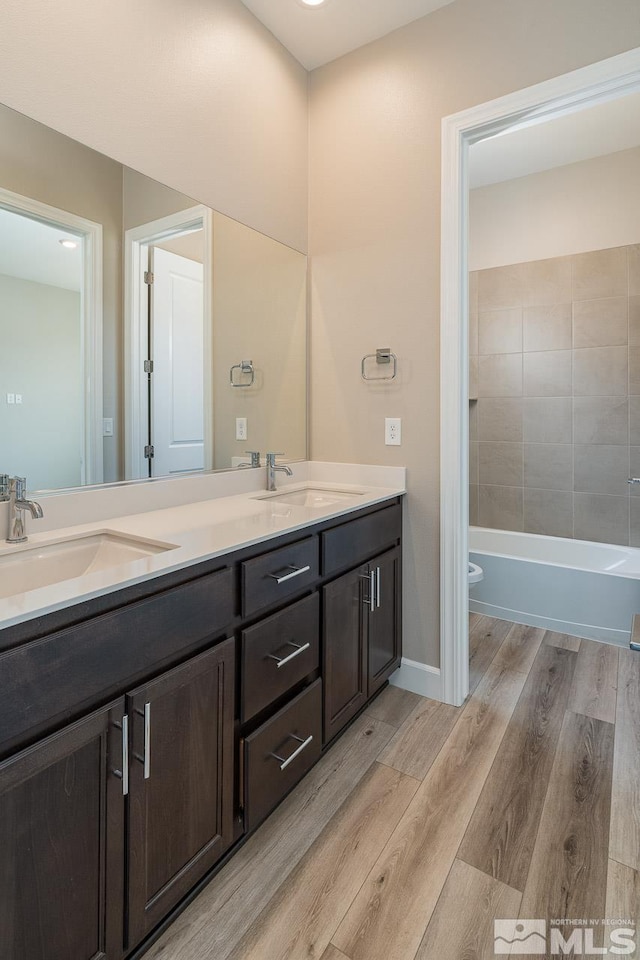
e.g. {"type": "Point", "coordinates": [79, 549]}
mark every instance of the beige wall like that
{"type": "Point", "coordinates": [40, 335]}
{"type": "Point", "coordinates": [375, 229]}
{"type": "Point", "coordinates": [195, 93]}
{"type": "Point", "coordinates": [38, 162]}
{"type": "Point", "coordinates": [572, 209]}
{"type": "Point", "coordinates": [259, 314]}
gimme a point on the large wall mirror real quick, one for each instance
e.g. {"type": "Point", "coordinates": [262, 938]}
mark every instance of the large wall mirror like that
{"type": "Point", "coordinates": [141, 333]}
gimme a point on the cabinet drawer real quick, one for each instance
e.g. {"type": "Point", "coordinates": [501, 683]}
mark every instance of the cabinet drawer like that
{"type": "Point", "coordinates": [278, 574]}
{"type": "Point", "coordinates": [55, 678]}
{"type": "Point", "coordinates": [352, 543]}
{"type": "Point", "coordinates": [279, 652]}
{"type": "Point", "coordinates": [280, 752]}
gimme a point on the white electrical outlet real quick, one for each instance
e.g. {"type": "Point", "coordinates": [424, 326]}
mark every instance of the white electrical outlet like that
{"type": "Point", "coordinates": [241, 428]}
{"type": "Point", "coordinates": [393, 431]}
{"type": "Point", "coordinates": [11, 398]}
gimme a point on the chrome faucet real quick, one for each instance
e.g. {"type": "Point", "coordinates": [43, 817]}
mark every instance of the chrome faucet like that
{"type": "Point", "coordinates": [17, 506]}
{"type": "Point", "coordinates": [255, 460]}
{"type": "Point", "coordinates": [272, 469]}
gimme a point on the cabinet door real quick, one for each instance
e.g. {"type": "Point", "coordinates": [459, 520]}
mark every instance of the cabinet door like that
{"type": "Point", "coordinates": [345, 650]}
{"type": "Point", "coordinates": [181, 783]}
{"type": "Point", "coordinates": [384, 620]}
{"type": "Point", "coordinates": [61, 844]}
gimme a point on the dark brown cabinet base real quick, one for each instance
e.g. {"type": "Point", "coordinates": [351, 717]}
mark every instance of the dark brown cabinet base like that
{"type": "Point", "coordinates": [158, 727]}
{"type": "Point", "coordinates": [62, 844]}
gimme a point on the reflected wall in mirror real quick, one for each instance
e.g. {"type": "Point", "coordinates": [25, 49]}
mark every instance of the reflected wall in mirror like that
{"type": "Point", "coordinates": [123, 307]}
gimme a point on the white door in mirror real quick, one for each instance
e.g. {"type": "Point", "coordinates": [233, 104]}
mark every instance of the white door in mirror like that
{"type": "Point", "coordinates": [177, 394]}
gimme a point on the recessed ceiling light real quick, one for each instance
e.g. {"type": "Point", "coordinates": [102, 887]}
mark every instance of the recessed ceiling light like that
{"type": "Point", "coordinates": [312, 3]}
{"type": "Point", "coordinates": [68, 244]}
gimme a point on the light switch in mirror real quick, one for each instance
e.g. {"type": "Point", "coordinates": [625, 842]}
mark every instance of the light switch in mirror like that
{"type": "Point", "coordinates": [124, 301]}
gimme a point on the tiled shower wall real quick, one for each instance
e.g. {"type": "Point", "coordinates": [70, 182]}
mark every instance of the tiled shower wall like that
{"type": "Point", "coordinates": [555, 429]}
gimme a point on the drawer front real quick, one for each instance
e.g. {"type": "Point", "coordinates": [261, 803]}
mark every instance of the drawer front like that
{"type": "Point", "coordinates": [352, 543]}
{"type": "Point", "coordinates": [92, 660]}
{"type": "Point", "coordinates": [279, 652]}
{"type": "Point", "coordinates": [280, 752]}
{"type": "Point", "coordinates": [278, 575]}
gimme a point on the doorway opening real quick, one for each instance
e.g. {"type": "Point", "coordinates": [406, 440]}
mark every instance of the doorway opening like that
{"type": "Point", "coordinates": [563, 95]}
{"type": "Point", "coordinates": [168, 374]}
{"type": "Point", "coordinates": [51, 321]}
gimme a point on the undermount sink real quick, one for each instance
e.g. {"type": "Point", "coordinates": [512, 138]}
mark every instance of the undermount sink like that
{"type": "Point", "coordinates": [317, 497]}
{"type": "Point", "coordinates": [28, 568]}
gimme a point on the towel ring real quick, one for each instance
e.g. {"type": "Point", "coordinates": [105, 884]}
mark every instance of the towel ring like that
{"type": "Point", "coordinates": [246, 368]}
{"type": "Point", "coordinates": [382, 356]}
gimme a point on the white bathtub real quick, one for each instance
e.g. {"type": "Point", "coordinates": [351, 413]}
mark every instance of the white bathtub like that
{"type": "Point", "coordinates": [571, 586]}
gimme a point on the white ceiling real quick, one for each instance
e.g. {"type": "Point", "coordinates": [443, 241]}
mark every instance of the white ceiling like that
{"type": "Point", "coordinates": [31, 250]}
{"type": "Point", "coordinates": [593, 132]}
{"type": "Point", "coordinates": [316, 35]}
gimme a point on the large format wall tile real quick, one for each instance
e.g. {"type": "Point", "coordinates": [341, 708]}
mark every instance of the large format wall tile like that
{"type": "Point", "coordinates": [546, 281]}
{"type": "Point", "coordinates": [634, 538]}
{"type": "Point", "coordinates": [547, 419]}
{"type": "Point", "coordinates": [500, 287]}
{"type": "Point", "coordinates": [601, 420]}
{"type": "Point", "coordinates": [558, 419]}
{"type": "Point", "coordinates": [547, 327]}
{"type": "Point", "coordinates": [500, 331]}
{"type": "Point", "coordinates": [601, 518]}
{"type": "Point", "coordinates": [473, 504]}
{"type": "Point", "coordinates": [600, 372]}
{"type": "Point", "coordinates": [634, 371]}
{"type": "Point", "coordinates": [601, 469]}
{"type": "Point", "coordinates": [548, 466]}
{"type": "Point", "coordinates": [500, 419]}
{"type": "Point", "coordinates": [602, 273]}
{"type": "Point", "coordinates": [634, 270]}
{"type": "Point", "coordinates": [500, 376]}
{"type": "Point", "coordinates": [501, 463]}
{"type": "Point", "coordinates": [547, 374]}
{"type": "Point", "coordinates": [601, 323]}
{"type": "Point", "coordinates": [549, 512]}
{"type": "Point", "coordinates": [500, 507]}
{"type": "Point", "coordinates": [634, 321]}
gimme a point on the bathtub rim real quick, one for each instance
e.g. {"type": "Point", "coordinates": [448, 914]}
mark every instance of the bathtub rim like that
{"type": "Point", "coordinates": [630, 551]}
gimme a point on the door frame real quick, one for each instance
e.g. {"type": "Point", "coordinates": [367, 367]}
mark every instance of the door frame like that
{"type": "Point", "coordinates": [92, 470]}
{"type": "Point", "coordinates": [136, 401]}
{"type": "Point", "coordinates": [587, 86]}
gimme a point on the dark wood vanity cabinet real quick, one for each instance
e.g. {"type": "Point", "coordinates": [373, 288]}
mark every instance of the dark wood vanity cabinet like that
{"type": "Point", "coordinates": [361, 637]}
{"type": "Point", "coordinates": [62, 813]}
{"type": "Point", "coordinates": [181, 778]}
{"type": "Point", "coordinates": [145, 737]}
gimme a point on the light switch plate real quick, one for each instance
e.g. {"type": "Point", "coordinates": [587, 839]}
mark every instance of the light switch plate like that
{"type": "Point", "coordinates": [107, 427]}
{"type": "Point", "coordinates": [393, 431]}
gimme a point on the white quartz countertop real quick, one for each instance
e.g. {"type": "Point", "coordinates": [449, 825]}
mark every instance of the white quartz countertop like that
{"type": "Point", "coordinates": [196, 532]}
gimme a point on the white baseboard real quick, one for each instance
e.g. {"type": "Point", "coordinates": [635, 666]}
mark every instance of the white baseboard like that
{"type": "Point", "coordinates": [418, 678]}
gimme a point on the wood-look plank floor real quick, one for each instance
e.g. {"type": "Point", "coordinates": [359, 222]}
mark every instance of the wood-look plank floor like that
{"type": "Point", "coordinates": [426, 823]}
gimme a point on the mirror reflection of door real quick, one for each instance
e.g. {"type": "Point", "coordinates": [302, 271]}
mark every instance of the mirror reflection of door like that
{"type": "Point", "coordinates": [43, 420]}
{"type": "Point", "coordinates": [176, 337]}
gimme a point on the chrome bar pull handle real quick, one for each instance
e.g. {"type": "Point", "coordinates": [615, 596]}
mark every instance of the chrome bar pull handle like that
{"type": "Point", "coordinates": [370, 601]}
{"type": "Point", "coordinates": [125, 755]}
{"type": "Point", "coordinates": [147, 741]}
{"type": "Point", "coordinates": [280, 661]}
{"type": "Point", "coordinates": [296, 753]}
{"type": "Point", "coordinates": [295, 572]}
{"type": "Point", "coordinates": [124, 773]}
{"type": "Point", "coordinates": [378, 587]}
